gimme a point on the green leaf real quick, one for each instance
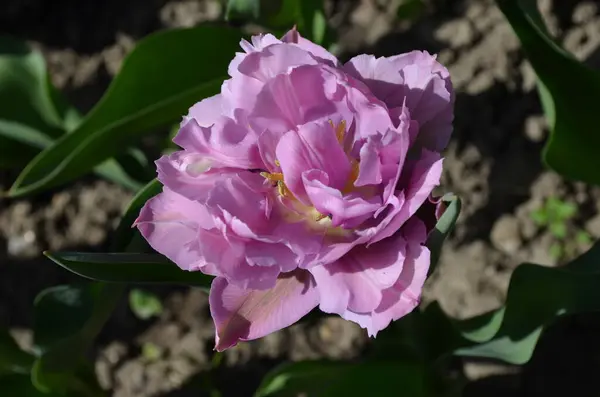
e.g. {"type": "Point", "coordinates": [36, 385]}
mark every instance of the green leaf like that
{"type": "Point", "coordinates": [19, 385]}
{"type": "Point", "coordinates": [307, 15]}
{"type": "Point", "coordinates": [144, 304]}
{"type": "Point", "coordinates": [568, 90]}
{"type": "Point", "coordinates": [72, 304]}
{"type": "Point", "coordinates": [332, 379]}
{"type": "Point", "coordinates": [159, 81]}
{"type": "Point", "coordinates": [566, 211]}
{"type": "Point", "coordinates": [558, 230]}
{"type": "Point", "coordinates": [62, 364]}
{"type": "Point", "coordinates": [556, 251]}
{"type": "Point", "coordinates": [443, 227]}
{"type": "Point", "coordinates": [80, 381]}
{"type": "Point", "coordinates": [32, 111]}
{"type": "Point", "coordinates": [540, 216]}
{"type": "Point", "coordinates": [242, 9]}
{"type": "Point", "coordinates": [12, 358]}
{"type": "Point", "coordinates": [536, 296]}
{"type": "Point", "coordinates": [128, 268]}
{"type": "Point", "coordinates": [25, 94]}
{"type": "Point", "coordinates": [583, 237]}
{"type": "Point", "coordinates": [27, 111]}
{"type": "Point", "coordinates": [125, 231]}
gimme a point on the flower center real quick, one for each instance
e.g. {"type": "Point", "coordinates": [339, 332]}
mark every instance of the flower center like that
{"type": "Point", "coordinates": [277, 179]}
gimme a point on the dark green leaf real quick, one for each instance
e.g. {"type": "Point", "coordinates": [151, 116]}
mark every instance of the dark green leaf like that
{"type": "Point", "coordinates": [332, 379]}
{"type": "Point", "coordinates": [307, 15]}
{"type": "Point", "coordinates": [80, 381]}
{"type": "Point", "coordinates": [62, 362]}
{"type": "Point", "coordinates": [19, 385]}
{"type": "Point", "coordinates": [27, 111]}
{"type": "Point", "coordinates": [536, 296]}
{"type": "Point", "coordinates": [69, 303]}
{"type": "Point", "coordinates": [443, 227]}
{"type": "Point", "coordinates": [33, 113]}
{"type": "Point", "coordinates": [163, 76]}
{"type": "Point", "coordinates": [242, 10]}
{"type": "Point", "coordinates": [125, 230]}
{"type": "Point", "coordinates": [12, 358]}
{"type": "Point", "coordinates": [568, 90]}
{"type": "Point", "coordinates": [25, 97]}
{"type": "Point", "coordinates": [128, 268]}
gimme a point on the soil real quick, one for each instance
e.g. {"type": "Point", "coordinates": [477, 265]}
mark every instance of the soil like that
{"type": "Point", "coordinates": [492, 163]}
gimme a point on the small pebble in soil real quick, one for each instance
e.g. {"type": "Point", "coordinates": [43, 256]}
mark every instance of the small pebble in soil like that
{"type": "Point", "coordinates": [505, 234]}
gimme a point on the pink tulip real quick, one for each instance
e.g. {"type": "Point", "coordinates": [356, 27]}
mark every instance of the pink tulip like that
{"type": "Point", "coordinates": [299, 184]}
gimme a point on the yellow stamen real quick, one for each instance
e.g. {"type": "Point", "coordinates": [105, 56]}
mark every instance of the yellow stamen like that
{"type": "Point", "coordinates": [273, 177]}
{"type": "Point", "coordinates": [354, 170]}
{"type": "Point", "coordinates": [320, 217]}
{"type": "Point", "coordinates": [340, 131]}
{"type": "Point", "coordinates": [277, 163]}
{"type": "Point", "coordinates": [283, 190]}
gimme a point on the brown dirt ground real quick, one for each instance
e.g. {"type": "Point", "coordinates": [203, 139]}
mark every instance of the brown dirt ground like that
{"type": "Point", "coordinates": [492, 164]}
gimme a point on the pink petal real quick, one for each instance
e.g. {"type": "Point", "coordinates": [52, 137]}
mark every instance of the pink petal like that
{"type": "Point", "coordinates": [428, 97]}
{"type": "Point", "coordinates": [370, 164]}
{"type": "Point", "coordinates": [226, 143]}
{"type": "Point", "coordinates": [189, 174]}
{"type": "Point", "coordinates": [314, 146]}
{"type": "Point", "coordinates": [274, 60]}
{"type": "Point", "coordinates": [267, 145]}
{"type": "Point", "coordinates": [382, 158]}
{"type": "Point", "coordinates": [290, 100]}
{"type": "Point", "coordinates": [421, 179]}
{"type": "Point", "coordinates": [258, 43]}
{"type": "Point", "coordinates": [184, 232]}
{"type": "Point", "coordinates": [293, 36]}
{"type": "Point", "coordinates": [357, 280]}
{"type": "Point", "coordinates": [401, 298]}
{"type": "Point", "coordinates": [242, 203]}
{"type": "Point", "coordinates": [227, 258]}
{"type": "Point", "coordinates": [417, 78]}
{"type": "Point", "coordinates": [346, 211]}
{"type": "Point", "coordinates": [242, 315]}
{"type": "Point", "coordinates": [258, 67]}
{"type": "Point", "coordinates": [170, 224]}
{"type": "Point", "coordinates": [207, 111]}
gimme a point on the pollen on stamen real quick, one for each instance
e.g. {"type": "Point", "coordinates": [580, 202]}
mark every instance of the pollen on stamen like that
{"type": "Point", "coordinates": [320, 217]}
{"type": "Point", "coordinates": [340, 130]}
{"type": "Point", "coordinates": [273, 177]}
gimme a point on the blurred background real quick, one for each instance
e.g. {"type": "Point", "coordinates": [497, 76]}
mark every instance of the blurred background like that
{"type": "Point", "coordinates": [514, 210]}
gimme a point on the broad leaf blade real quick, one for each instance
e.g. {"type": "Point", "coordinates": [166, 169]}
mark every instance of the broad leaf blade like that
{"type": "Point", "coordinates": [33, 113]}
{"type": "Point", "coordinates": [27, 112]}
{"type": "Point", "coordinates": [128, 268]}
{"type": "Point", "coordinates": [337, 379]}
{"type": "Point", "coordinates": [70, 303]}
{"type": "Point", "coordinates": [159, 81]}
{"type": "Point", "coordinates": [536, 296]}
{"type": "Point", "coordinates": [568, 90]}
{"type": "Point", "coordinates": [19, 385]}
{"type": "Point", "coordinates": [56, 370]}
{"type": "Point", "coordinates": [25, 97]}
{"type": "Point", "coordinates": [443, 228]}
